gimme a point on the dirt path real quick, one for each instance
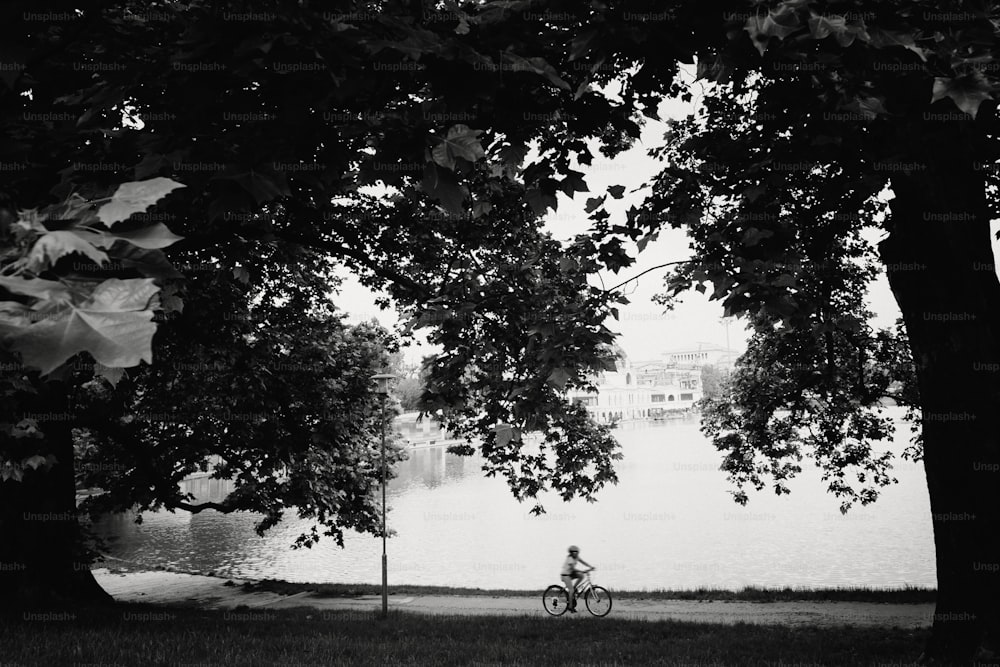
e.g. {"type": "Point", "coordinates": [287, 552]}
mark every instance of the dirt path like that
{"type": "Point", "coordinates": [212, 592]}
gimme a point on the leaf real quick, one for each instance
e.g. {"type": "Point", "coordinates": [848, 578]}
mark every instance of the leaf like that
{"type": "Point", "coordinates": [540, 201]}
{"type": "Point", "coordinates": [263, 184]}
{"type": "Point", "coordinates": [558, 378]}
{"type": "Point", "coordinates": [774, 28]}
{"type": "Point", "coordinates": [13, 318]}
{"type": "Point", "coordinates": [34, 462]}
{"type": "Point", "coordinates": [46, 290]}
{"type": "Point", "coordinates": [718, 70]}
{"type": "Point", "coordinates": [538, 66]}
{"type": "Point", "coordinates": [616, 191]}
{"type": "Point", "coordinates": [573, 183]}
{"type": "Point", "coordinates": [150, 237]}
{"type": "Point", "coordinates": [135, 197]}
{"type": "Point", "coordinates": [784, 280]}
{"type": "Point", "coordinates": [117, 295]}
{"type": "Point", "coordinates": [443, 185]}
{"type": "Point", "coordinates": [593, 203]}
{"type": "Point", "coordinates": [115, 327]}
{"type": "Point", "coordinates": [172, 304]}
{"type": "Point", "coordinates": [512, 156]}
{"type": "Point", "coordinates": [644, 241]}
{"type": "Point", "coordinates": [882, 39]}
{"type": "Point", "coordinates": [870, 107]}
{"type": "Point", "coordinates": [583, 43]}
{"type": "Point", "coordinates": [823, 26]}
{"type": "Point", "coordinates": [609, 364]}
{"type": "Point", "coordinates": [481, 208]}
{"type": "Point", "coordinates": [968, 91]}
{"type": "Point", "coordinates": [568, 264]}
{"type": "Point", "coordinates": [149, 263]}
{"type": "Point", "coordinates": [52, 246]}
{"type": "Point", "coordinates": [762, 28]}
{"type": "Point", "coordinates": [504, 434]}
{"type": "Point", "coordinates": [461, 141]}
{"type": "Point", "coordinates": [112, 375]}
{"type": "Point", "coordinates": [151, 165]}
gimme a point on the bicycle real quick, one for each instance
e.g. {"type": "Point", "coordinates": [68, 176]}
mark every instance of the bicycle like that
{"type": "Point", "coordinates": [597, 598]}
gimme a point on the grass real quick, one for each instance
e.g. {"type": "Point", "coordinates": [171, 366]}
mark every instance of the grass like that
{"type": "Point", "coordinates": [750, 594]}
{"type": "Point", "coordinates": [152, 636]}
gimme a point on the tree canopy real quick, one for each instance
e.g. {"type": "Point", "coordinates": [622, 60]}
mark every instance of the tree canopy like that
{"type": "Point", "coordinates": [419, 144]}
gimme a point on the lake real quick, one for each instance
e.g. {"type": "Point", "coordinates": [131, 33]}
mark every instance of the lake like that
{"type": "Point", "coordinates": [669, 523]}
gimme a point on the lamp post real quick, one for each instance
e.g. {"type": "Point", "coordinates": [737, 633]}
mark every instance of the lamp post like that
{"type": "Point", "coordinates": [382, 388]}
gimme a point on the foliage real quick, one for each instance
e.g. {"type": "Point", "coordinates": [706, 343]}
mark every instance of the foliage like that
{"type": "Point", "coordinates": [712, 381]}
{"type": "Point", "coordinates": [795, 262]}
{"type": "Point", "coordinates": [767, 422]}
{"type": "Point", "coordinates": [263, 380]}
{"type": "Point", "coordinates": [62, 295]}
{"type": "Point", "coordinates": [60, 300]}
{"type": "Point", "coordinates": [415, 101]}
{"type": "Point", "coordinates": [278, 135]}
{"type": "Point", "coordinates": [395, 138]}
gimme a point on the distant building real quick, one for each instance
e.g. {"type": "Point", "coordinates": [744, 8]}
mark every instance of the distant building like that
{"type": "Point", "coordinates": [702, 354]}
{"type": "Point", "coordinates": [640, 391]}
{"type": "Point", "coordinates": [417, 432]}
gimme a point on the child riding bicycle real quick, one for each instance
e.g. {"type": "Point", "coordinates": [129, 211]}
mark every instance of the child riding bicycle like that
{"type": "Point", "coordinates": [570, 575]}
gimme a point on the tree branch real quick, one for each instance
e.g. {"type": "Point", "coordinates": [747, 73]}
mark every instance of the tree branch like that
{"type": "Point", "coordinates": [217, 238]}
{"type": "Point", "coordinates": [201, 507]}
{"type": "Point", "coordinates": [636, 277]}
{"type": "Point", "coordinates": [339, 250]}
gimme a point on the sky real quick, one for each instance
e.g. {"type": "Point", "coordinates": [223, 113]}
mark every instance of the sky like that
{"type": "Point", "coordinates": [645, 330]}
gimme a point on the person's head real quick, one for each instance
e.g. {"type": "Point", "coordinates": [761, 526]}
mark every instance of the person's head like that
{"type": "Point", "coordinates": [574, 550]}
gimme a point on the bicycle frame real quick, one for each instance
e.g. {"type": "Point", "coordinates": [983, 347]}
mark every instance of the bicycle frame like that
{"type": "Point", "coordinates": [584, 585]}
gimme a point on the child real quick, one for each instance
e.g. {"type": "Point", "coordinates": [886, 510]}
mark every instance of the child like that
{"type": "Point", "coordinates": [570, 574]}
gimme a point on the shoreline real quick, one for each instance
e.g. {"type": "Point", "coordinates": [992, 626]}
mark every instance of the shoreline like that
{"type": "Point", "coordinates": [907, 595]}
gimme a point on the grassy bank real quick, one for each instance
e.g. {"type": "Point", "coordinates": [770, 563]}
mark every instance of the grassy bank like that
{"type": "Point", "coordinates": [750, 594]}
{"type": "Point", "coordinates": [153, 636]}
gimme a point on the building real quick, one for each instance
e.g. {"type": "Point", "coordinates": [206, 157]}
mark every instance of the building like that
{"type": "Point", "coordinates": [425, 432]}
{"type": "Point", "coordinates": [651, 390]}
{"type": "Point", "coordinates": [702, 354]}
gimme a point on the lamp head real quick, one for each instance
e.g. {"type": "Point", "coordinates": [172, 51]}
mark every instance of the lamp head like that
{"type": "Point", "coordinates": [382, 381]}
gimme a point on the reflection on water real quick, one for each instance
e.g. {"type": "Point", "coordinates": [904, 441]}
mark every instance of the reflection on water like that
{"type": "Point", "coordinates": [669, 523]}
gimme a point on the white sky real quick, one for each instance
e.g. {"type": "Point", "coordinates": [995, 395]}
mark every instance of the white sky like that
{"type": "Point", "coordinates": [646, 331]}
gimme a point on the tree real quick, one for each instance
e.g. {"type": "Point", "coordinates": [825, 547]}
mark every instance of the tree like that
{"type": "Point", "coordinates": [275, 136]}
{"type": "Point", "coordinates": [257, 373]}
{"type": "Point", "coordinates": [263, 379]}
{"type": "Point", "coordinates": [440, 106]}
{"type": "Point", "coordinates": [712, 380]}
{"type": "Point", "coordinates": [783, 186]}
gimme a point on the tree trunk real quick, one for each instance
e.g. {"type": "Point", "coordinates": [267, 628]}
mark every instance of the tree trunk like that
{"type": "Point", "coordinates": [43, 560]}
{"type": "Point", "coordinates": [939, 262]}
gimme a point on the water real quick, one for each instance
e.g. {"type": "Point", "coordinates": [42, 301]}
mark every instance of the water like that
{"type": "Point", "coordinates": [670, 523]}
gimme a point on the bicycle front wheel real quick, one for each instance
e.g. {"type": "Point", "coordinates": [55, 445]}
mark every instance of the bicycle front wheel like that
{"type": "Point", "coordinates": [555, 600]}
{"type": "Point", "coordinates": [598, 601]}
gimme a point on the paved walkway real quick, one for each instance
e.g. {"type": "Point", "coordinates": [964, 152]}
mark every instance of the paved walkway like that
{"type": "Point", "coordinates": [172, 588]}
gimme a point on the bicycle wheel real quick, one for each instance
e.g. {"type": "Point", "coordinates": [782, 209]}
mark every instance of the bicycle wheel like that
{"type": "Point", "coordinates": [598, 601]}
{"type": "Point", "coordinates": [555, 600]}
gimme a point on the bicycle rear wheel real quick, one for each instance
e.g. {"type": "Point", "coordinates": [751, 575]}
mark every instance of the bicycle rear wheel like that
{"type": "Point", "coordinates": [598, 601]}
{"type": "Point", "coordinates": [555, 600]}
